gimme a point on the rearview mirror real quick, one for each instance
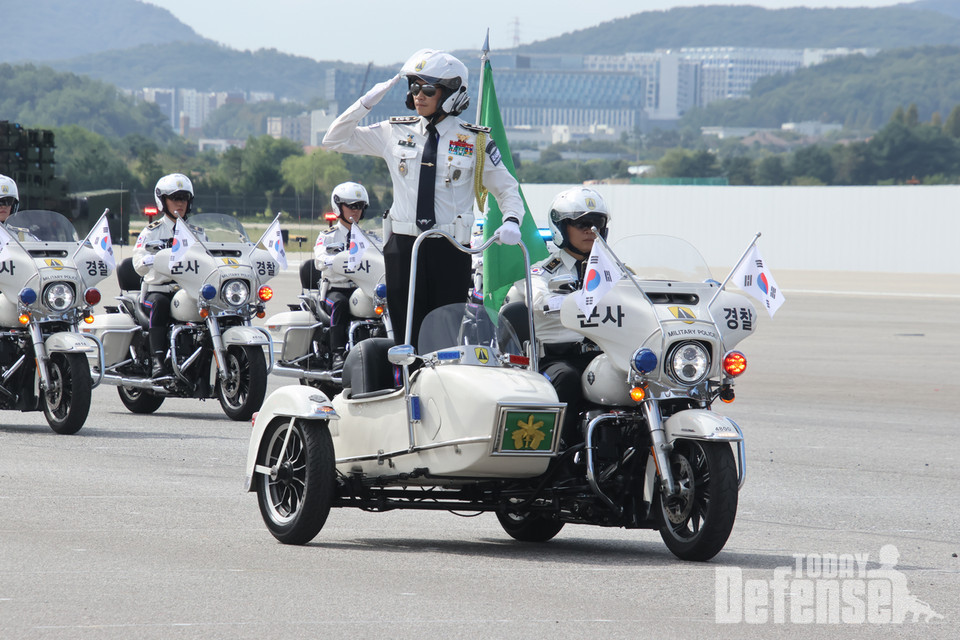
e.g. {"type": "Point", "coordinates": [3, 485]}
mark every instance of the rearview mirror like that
{"type": "Point", "coordinates": [402, 354]}
{"type": "Point", "coordinates": [562, 284]}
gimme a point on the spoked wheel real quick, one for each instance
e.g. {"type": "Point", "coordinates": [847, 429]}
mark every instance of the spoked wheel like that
{"type": "Point", "coordinates": [295, 479]}
{"type": "Point", "coordinates": [139, 400]}
{"type": "Point", "coordinates": [528, 527]}
{"type": "Point", "coordinates": [246, 382]}
{"type": "Point", "coordinates": [698, 520]}
{"type": "Point", "coordinates": [66, 401]}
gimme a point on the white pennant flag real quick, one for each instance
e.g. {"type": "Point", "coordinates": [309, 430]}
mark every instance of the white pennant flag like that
{"type": "Point", "coordinates": [755, 279]}
{"type": "Point", "coordinates": [183, 239]}
{"type": "Point", "coordinates": [101, 241]}
{"type": "Point", "coordinates": [601, 274]}
{"type": "Point", "coordinates": [273, 241]}
{"type": "Point", "coordinates": [358, 246]}
{"type": "Point", "coordinates": [5, 239]}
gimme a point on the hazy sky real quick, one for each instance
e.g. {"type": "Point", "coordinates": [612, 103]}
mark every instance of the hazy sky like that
{"type": "Point", "coordinates": [387, 32]}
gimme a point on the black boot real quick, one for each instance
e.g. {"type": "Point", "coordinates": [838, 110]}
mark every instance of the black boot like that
{"type": "Point", "coordinates": [159, 370]}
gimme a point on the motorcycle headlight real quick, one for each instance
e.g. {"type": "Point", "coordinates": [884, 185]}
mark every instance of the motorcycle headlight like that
{"type": "Point", "coordinates": [688, 362]}
{"type": "Point", "coordinates": [58, 296]}
{"type": "Point", "coordinates": [236, 292]}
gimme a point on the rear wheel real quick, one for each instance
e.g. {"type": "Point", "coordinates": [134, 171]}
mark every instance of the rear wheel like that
{"type": "Point", "coordinates": [296, 495]}
{"type": "Point", "coordinates": [698, 520]}
{"type": "Point", "coordinates": [245, 386]}
{"type": "Point", "coordinates": [139, 400]}
{"type": "Point", "coordinates": [66, 400]}
{"type": "Point", "coordinates": [528, 527]}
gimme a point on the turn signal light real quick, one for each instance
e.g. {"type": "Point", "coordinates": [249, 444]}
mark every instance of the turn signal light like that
{"type": "Point", "coordinates": [89, 319]}
{"type": "Point", "coordinates": [378, 309]}
{"type": "Point", "coordinates": [24, 318]}
{"type": "Point", "coordinates": [637, 394]}
{"type": "Point", "coordinates": [204, 313]}
{"type": "Point", "coordinates": [261, 314]}
{"type": "Point", "coordinates": [734, 363]}
{"type": "Point", "coordinates": [726, 394]}
{"type": "Point", "coordinates": [265, 293]}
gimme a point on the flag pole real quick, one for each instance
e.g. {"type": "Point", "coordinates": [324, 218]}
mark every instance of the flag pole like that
{"type": "Point", "coordinates": [483, 65]}
{"type": "Point", "coordinates": [734, 270]}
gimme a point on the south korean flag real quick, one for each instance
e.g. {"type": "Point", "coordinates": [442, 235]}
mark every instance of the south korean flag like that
{"type": "Point", "coordinates": [601, 274]}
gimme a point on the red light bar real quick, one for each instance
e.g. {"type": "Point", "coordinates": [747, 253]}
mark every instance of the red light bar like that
{"type": "Point", "coordinates": [330, 216]}
{"type": "Point", "coordinates": [150, 211]}
{"type": "Point", "coordinates": [515, 359]}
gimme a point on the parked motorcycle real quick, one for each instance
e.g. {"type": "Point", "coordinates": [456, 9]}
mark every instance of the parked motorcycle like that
{"type": "Point", "coordinates": [305, 328]}
{"type": "Point", "coordinates": [477, 428]}
{"type": "Point", "coordinates": [214, 350]}
{"type": "Point", "coordinates": [47, 278]}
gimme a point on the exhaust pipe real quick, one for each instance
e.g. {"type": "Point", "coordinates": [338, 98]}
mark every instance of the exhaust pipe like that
{"type": "Point", "coordinates": [293, 372]}
{"type": "Point", "coordinates": [136, 383]}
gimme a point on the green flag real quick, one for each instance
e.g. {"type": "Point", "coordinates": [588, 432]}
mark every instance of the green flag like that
{"type": "Point", "coordinates": [503, 264]}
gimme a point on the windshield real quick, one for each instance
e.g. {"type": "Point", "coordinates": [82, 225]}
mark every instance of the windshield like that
{"type": "Point", "coordinates": [654, 257]}
{"type": "Point", "coordinates": [219, 227]}
{"type": "Point", "coordinates": [455, 325]}
{"type": "Point", "coordinates": [35, 225]}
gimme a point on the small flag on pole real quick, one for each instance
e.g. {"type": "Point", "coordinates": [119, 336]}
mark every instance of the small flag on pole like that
{"type": "Point", "coordinates": [101, 242]}
{"type": "Point", "coordinates": [754, 278]}
{"type": "Point", "coordinates": [183, 239]}
{"type": "Point", "coordinates": [272, 240]}
{"type": "Point", "coordinates": [601, 274]}
{"type": "Point", "coordinates": [358, 245]}
{"type": "Point", "coordinates": [5, 239]}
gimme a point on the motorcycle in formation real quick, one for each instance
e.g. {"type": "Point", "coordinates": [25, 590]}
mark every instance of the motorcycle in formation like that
{"type": "Point", "coordinates": [473, 426]}
{"type": "Point", "coordinates": [214, 350]}
{"type": "Point", "coordinates": [305, 329]}
{"type": "Point", "coordinates": [47, 278]}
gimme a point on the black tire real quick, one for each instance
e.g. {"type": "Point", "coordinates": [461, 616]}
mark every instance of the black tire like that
{"type": "Point", "coordinates": [697, 522]}
{"type": "Point", "coordinates": [246, 385]}
{"type": "Point", "coordinates": [66, 402]}
{"type": "Point", "coordinates": [528, 527]}
{"type": "Point", "coordinates": [139, 400]}
{"type": "Point", "coordinates": [295, 500]}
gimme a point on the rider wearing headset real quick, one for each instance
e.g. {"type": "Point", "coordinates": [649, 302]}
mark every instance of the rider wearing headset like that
{"type": "Point", "coordinates": [349, 201]}
{"type": "Point", "coordinates": [433, 158]}
{"type": "Point", "coordinates": [173, 195]}
{"type": "Point", "coordinates": [565, 354]}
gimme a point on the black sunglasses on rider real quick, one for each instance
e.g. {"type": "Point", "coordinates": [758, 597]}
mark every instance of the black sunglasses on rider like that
{"type": "Point", "coordinates": [7, 202]}
{"type": "Point", "coordinates": [429, 90]}
{"type": "Point", "coordinates": [584, 223]}
{"type": "Point", "coordinates": [179, 196]}
{"type": "Point", "coordinates": [354, 206]}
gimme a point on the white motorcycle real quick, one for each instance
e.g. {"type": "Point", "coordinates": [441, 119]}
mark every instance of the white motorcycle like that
{"type": "Point", "coordinates": [214, 350]}
{"type": "Point", "coordinates": [47, 278]}
{"type": "Point", "coordinates": [477, 428]}
{"type": "Point", "coordinates": [305, 328]}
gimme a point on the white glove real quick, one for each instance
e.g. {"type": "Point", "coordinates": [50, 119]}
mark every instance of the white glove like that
{"type": "Point", "coordinates": [149, 259]}
{"type": "Point", "coordinates": [328, 261]}
{"type": "Point", "coordinates": [509, 232]}
{"type": "Point", "coordinates": [375, 95]}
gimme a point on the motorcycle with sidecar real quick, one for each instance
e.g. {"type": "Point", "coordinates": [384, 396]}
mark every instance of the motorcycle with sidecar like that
{"type": "Point", "coordinates": [213, 348]}
{"type": "Point", "coordinates": [47, 288]}
{"type": "Point", "coordinates": [475, 427]}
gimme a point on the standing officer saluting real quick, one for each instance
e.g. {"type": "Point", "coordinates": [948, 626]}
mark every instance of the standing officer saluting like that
{"type": "Point", "coordinates": [174, 195]}
{"type": "Point", "coordinates": [432, 158]}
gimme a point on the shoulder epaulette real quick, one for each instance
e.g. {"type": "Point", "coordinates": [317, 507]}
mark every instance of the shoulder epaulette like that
{"type": "Point", "coordinates": [404, 119]}
{"type": "Point", "coordinates": [155, 224]}
{"type": "Point", "coordinates": [476, 128]}
{"type": "Point", "coordinates": [552, 265]}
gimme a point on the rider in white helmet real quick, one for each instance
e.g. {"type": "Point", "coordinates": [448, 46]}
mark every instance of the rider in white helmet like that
{"type": "Point", "coordinates": [349, 201]}
{"type": "Point", "coordinates": [565, 354]}
{"type": "Point", "coordinates": [174, 196]}
{"type": "Point", "coordinates": [9, 198]}
{"type": "Point", "coordinates": [432, 158]}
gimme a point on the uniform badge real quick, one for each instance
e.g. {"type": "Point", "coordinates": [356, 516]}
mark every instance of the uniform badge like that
{"type": "Point", "coordinates": [408, 142]}
{"type": "Point", "coordinates": [402, 168]}
{"type": "Point", "coordinates": [460, 146]}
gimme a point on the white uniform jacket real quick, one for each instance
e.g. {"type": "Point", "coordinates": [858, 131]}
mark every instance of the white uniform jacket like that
{"type": "Point", "coordinates": [156, 231]}
{"type": "Point", "coordinates": [334, 273]}
{"type": "Point", "coordinates": [546, 304]}
{"type": "Point", "coordinates": [400, 142]}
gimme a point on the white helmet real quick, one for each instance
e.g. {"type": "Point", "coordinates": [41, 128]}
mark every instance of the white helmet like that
{"type": "Point", "coordinates": [8, 189]}
{"type": "Point", "coordinates": [348, 193]}
{"type": "Point", "coordinates": [441, 69]}
{"type": "Point", "coordinates": [169, 185]}
{"type": "Point", "coordinates": [573, 204]}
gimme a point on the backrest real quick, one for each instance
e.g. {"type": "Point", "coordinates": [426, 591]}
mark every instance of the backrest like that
{"type": "Point", "coordinates": [127, 276]}
{"type": "Point", "coordinates": [366, 369]}
{"type": "Point", "coordinates": [515, 313]}
{"type": "Point", "coordinates": [309, 276]}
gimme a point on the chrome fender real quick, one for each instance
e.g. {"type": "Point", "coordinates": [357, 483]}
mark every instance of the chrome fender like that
{"type": "Point", "coordinates": [252, 336]}
{"type": "Point", "coordinates": [67, 341]}
{"type": "Point", "coordinates": [700, 424]}
{"type": "Point", "coordinates": [291, 402]}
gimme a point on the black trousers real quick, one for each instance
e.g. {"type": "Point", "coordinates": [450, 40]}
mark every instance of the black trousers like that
{"type": "Point", "coordinates": [565, 374]}
{"type": "Point", "coordinates": [443, 277]}
{"type": "Point", "coordinates": [337, 304]}
{"type": "Point", "coordinates": [157, 305]}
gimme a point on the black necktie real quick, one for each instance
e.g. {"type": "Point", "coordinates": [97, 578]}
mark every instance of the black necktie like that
{"type": "Point", "coordinates": [426, 217]}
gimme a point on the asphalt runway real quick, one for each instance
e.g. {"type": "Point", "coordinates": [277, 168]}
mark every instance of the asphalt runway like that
{"type": "Point", "coordinates": [137, 527]}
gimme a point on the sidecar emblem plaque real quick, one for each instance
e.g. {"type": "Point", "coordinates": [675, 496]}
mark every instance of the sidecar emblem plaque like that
{"type": "Point", "coordinates": [683, 313]}
{"type": "Point", "coordinates": [483, 356]}
{"type": "Point", "coordinates": [528, 430]}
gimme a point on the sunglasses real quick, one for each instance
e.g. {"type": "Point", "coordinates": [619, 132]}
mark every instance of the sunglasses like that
{"type": "Point", "coordinates": [7, 202]}
{"type": "Point", "coordinates": [429, 90]}
{"type": "Point", "coordinates": [586, 223]}
{"type": "Point", "coordinates": [179, 197]}
{"type": "Point", "coordinates": [354, 206]}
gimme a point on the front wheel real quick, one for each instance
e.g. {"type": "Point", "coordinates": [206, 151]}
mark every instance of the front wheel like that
{"type": "Point", "coordinates": [245, 385]}
{"type": "Point", "coordinates": [66, 400]}
{"type": "Point", "coordinates": [698, 520]}
{"type": "Point", "coordinates": [296, 495]}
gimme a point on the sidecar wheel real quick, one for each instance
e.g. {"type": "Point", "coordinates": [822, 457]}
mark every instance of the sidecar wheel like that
{"type": "Point", "coordinates": [246, 385]}
{"type": "Point", "coordinates": [295, 498]}
{"type": "Point", "coordinates": [139, 400]}
{"type": "Point", "coordinates": [67, 402]}
{"type": "Point", "coordinates": [698, 521]}
{"type": "Point", "coordinates": [528, 527]}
